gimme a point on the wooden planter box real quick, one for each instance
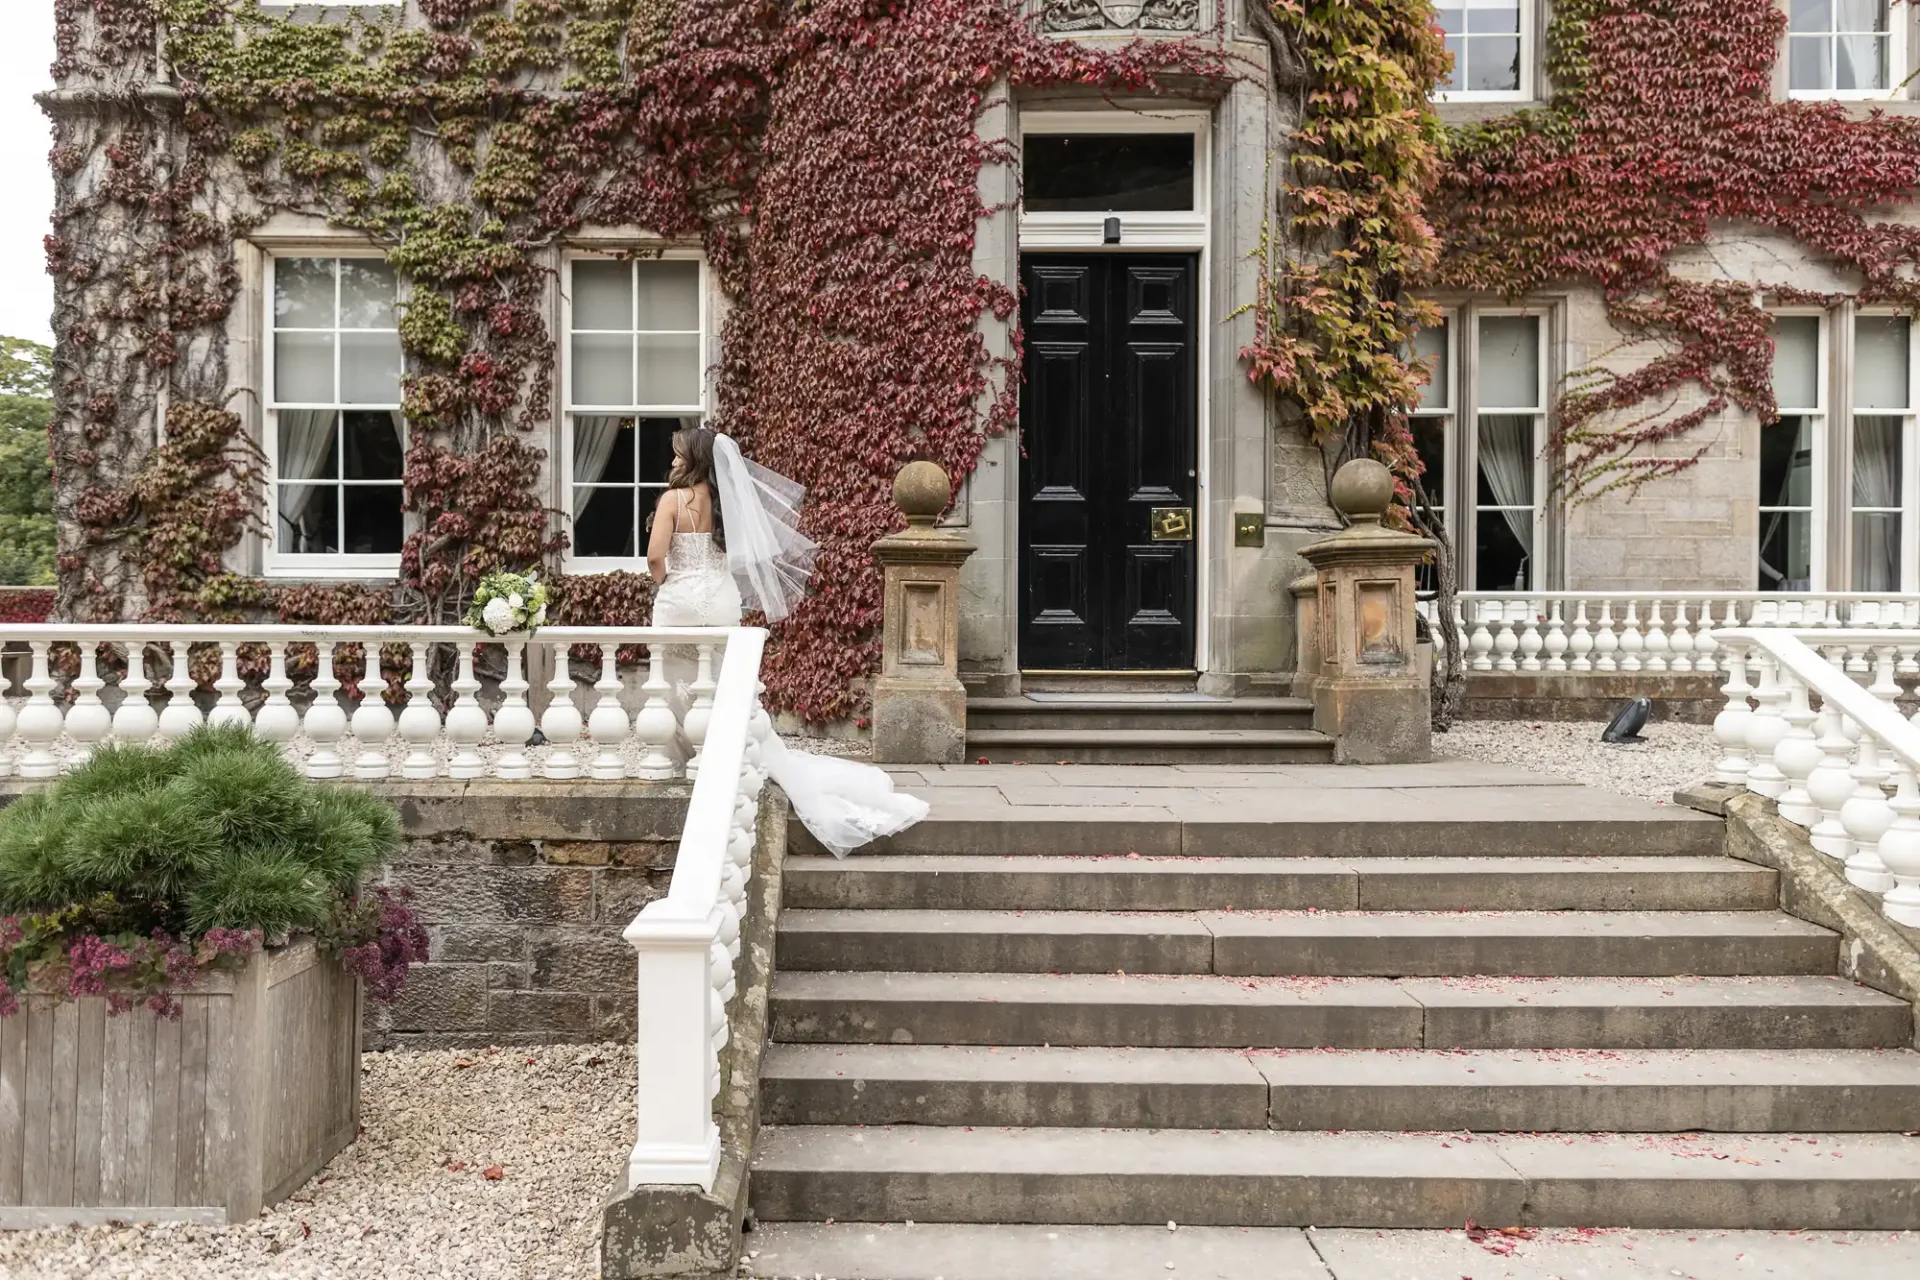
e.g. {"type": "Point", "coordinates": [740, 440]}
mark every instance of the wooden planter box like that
{"type": "Point", "coordinates": [207, 1119]}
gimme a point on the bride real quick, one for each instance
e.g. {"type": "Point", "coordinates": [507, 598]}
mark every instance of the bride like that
{"type": "Point", "coordinates": [725, 535]}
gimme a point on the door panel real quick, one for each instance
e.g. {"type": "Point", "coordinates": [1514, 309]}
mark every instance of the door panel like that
{"type": "Point", "coordinates": [1108, 422]}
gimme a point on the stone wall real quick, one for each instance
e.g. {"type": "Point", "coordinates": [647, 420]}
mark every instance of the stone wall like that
{"type": "Point", "coordinates": [525, 890]}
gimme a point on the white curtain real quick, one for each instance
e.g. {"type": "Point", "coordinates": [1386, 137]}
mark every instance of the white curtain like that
{"type": "Point", "coordinates": [593, 441]}
{"type": "Point", "coordinates": [1506, 460]}
{"type": "Point", "coordinates": [306, 446]}
{"type": "Point", "coordinates": [1876, 483]}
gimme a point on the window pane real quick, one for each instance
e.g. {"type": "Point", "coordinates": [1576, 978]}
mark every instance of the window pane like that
{"type": "Point", "coordinates": [602, 449]}
{"type": "Point", "coordinates": [602, 368]}
{"type": "Point", "coordinates": [1860, 15]}
{"type": "Point", "coordinates": [1493, 64]}
{"type": "Point", "coordinates": [369, 367]}
{"type": "Point", "coordinates": [1506, 460]}
{"type": "Point", "coordinates": [1509, 362]}
{"type": "Point", "coordinates": [1500, 559]}
{"type": "Point", "coordinates": [669, 368]}
{"type": "Point", "coordinates": [1457, 71]}
{"type": "Point", "coordinates": [1809, 63]}
{"type": "Point", "coordinates": [303, 368]}
{"type": "Point", "coordinates": [372, 446]}
{"type": "Point", "coordinates": [1796, 362]}
{"type": "Point", "coordinates": [1786, 551]}
{"type": "Point", "coordinates": [1876, 551]}
{"type": "Point", "coordinates": [1430, 345]}
{"type": "Point", "coordinates": [303, 293]}
{"type": "Point", "coordinates": [306, 444]}
{"type": "Point", "coordinates": [1860, 63]}
{"type": "Point", "coordinates": [1810, 15]}
{"type": "Point", "coordinates": [603, 523]}
{"type": "Point", "coordinates": [669, 295]}
{"type": "Point", "coordinates": [1101, 172]}
{"type": "Point", "coordinates": [1497, 17]}
{"type": "Point", "coordinates": [373, 520]}
{"type": "Point", "coordinates": [1430, 442]}
{"type": "Point", "coordinates": [1451, 17]}
{"type": "Point", "coordinates": [656, 447]}
{"type": "Point", "coordinates": [602, 295]}
{"type": "Point", "coordinates": [1786, 464]}
{"type": "Point", "coordinates": [1880, 352]}
{"type": "Point", "coordinates": [366, 294]}
{"type": "Point", "coordinates": [1876, 461]}
{"type": "Point", "coordinates": [308, 522]}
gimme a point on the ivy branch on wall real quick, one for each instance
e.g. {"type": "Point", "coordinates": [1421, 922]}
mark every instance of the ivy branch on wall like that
{"type": "Point", "coordinates": [826, 157]}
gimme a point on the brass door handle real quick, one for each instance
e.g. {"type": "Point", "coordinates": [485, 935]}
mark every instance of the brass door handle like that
{"type": "Point", "coordinates": [1171, 524]}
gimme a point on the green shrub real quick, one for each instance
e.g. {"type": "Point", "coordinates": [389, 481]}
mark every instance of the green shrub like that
{"type": "Point", "coordinates": [218, 831]}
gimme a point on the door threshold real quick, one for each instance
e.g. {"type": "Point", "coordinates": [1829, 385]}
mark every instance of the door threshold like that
{"type": "Point", "coordinates": [1094, 673]}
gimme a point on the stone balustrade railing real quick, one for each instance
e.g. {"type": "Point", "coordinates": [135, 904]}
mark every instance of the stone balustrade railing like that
{"type": "Point", "coordinates": [1829, 768]}
{"type": "Point", "coordinates": [88, 685]}
{"type": "Point", "coordinates": [1651, 631]}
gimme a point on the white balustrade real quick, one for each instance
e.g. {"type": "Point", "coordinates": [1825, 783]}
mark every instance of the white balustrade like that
{"type": "Point", "coordinates": [261, 677]}
{"type": "Point", "coordinates": [1831, 769]}
{"type": "Point", "coordinates": [689, 941]}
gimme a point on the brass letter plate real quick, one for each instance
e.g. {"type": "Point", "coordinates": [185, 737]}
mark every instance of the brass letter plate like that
{"type": "Point", "coordinates": [1249, 529]}
{"type": "Point", "coordinates": [1172, 524]}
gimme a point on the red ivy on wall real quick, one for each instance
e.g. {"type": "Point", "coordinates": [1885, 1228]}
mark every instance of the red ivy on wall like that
{"type": "Point", "coordinates": [1663, 129]}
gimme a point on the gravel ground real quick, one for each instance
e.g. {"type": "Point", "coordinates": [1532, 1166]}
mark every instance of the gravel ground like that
{"type": "Point", "coordinates": [1672, 756]}
{"type": "Point", "coordinates": [486, 1163]}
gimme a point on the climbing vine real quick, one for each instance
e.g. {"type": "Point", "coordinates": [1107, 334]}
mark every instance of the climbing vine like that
{"type": "Point", "coordinates": [1662, 127]}
{"type": "Point", "coordinates": [825, 156]}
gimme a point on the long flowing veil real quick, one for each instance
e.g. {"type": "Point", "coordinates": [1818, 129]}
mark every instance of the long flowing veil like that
{"type": "Point", "coordinates": [766, 552]}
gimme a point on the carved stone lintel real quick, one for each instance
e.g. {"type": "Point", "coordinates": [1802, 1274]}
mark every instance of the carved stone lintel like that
{"type": "Point", "coordinates": [1120, 15]}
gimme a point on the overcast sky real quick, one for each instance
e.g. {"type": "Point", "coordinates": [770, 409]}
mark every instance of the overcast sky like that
{"type": "Point", "coordinates": [26, 191]}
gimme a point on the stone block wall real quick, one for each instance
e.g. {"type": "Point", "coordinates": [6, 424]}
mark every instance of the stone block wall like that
{"type": "Point", "coordinates": [525, 889]}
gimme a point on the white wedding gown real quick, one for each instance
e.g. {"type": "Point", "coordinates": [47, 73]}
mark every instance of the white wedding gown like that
{"type": "Point", "coordinates": [843, 803]}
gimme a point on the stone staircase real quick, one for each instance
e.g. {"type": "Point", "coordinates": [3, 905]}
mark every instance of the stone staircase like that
{"type": "Point", "coordinates": [1542, 1015]}
{"type": "Point", "coordinates": [1092, 726]}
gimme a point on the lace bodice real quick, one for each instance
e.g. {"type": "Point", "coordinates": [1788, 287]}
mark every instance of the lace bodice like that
{"type": "Point", "coordinates": [695, 553]}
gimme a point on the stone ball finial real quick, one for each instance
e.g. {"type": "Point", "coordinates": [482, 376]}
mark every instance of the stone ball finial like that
{"type": "Point", "coordinates": [922, 490]}
{"type": "Point", "coordinates": [1362, 490]}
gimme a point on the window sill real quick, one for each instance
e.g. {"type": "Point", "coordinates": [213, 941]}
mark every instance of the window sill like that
{"type": "Point", "coordinates": [1455, 112]}
{"type": "Point", "coordinates": [333, 568]}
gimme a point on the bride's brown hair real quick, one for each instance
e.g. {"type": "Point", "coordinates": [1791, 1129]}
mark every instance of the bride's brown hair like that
{"type": "Point", "coordinates": [695, 446]}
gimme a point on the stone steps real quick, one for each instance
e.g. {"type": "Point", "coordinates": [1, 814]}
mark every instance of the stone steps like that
{"type": "Point", "coordinates": [1148, 746]}
{"type": "Point", "coordinates": [1309, 944]}
{"type": "Point", "coordinates": [1159, 712]}
{"type": "Point", "coordinates": [1210, 1011]}
{"type": "Point", "coordinates": [1262, 1178]}
{"type": "Point", "coordinates": [1117, 882]}
{"type": "Point", "coordinates": [1726, 1091]}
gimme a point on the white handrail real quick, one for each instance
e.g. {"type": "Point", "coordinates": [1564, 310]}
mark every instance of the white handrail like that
{"type": "Point", "coordinates": [688, 942]}
{"type": "Point", "coordinates": [1827, 769]}
{"type": "Point", "coordinates": [69, 713]}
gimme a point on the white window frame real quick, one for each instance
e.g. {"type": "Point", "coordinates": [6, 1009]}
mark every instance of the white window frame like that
{"type": "Point", "coordinates": [1909, 508]}
{"type": "Point", "coordinates": [1139, 229]}
{"type": "Point", "coordinates": [1467, 418]}
{"type": "Point", "coordinates": [1821, 413]}
{"type": "Point", "coordinates": [1448, 415]}
{"type": "Point", "coordinates": [302, 564]}
{"type": "Point", "coordinates": [1899, 32]}
{"type": "Point", "coordinates": [1529, 46]}
{"type": "Point", "coordinates": [703, 409]}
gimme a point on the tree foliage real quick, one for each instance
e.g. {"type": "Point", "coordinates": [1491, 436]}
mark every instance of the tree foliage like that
{"type": "Point", "coordinates": [26, 474]}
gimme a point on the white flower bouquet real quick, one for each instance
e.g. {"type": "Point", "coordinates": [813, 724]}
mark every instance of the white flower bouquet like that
{"type": "Point", "coordinates": [508, 602]}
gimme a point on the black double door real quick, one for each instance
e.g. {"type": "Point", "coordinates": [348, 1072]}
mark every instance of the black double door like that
{"type": "Point", "coordinates": [1108, 481]}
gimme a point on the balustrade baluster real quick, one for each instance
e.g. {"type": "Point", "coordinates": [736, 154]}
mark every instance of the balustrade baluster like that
{"type": "Point", "coordinates": [1581, 642]}
{"type": "Point", "coordinates": [608, 724]}
{"type": "Point", "coordinates": [277, 721]}
{"type": "Point", "coordinates": [1654, 642]}
{"type": "Point", "coordinates": [87, 720]}
{"type": "Point", "coordinates": [561, 723]}
{"type": "Point", "coordinates": [1632, 643]}
{"type": "Point", "coordinates": [134, 720]}
{"type": "Point", "coordinates": [1705, 647]}
{"type": "Point", "coordinates": [229, 710]}
{"type": "Point", "coordinates": [1556, 641]}
{"type": "Point", "coordinates": [1766, 730]}
{"type": "Point", "coordinates": [1797, 756]}
{"type": "Point", "coordinates": [40, 719]}
{"type": "Point", "coordinates": [420, 719]}
{"type": "Point", "coordinates": [656, 726]}
{"type": "Point", "coordinates": [1606, 641]}
{"type": "Point", "coordinates": [513, 723]}
{"type": "Point", "coordinates": [1831, 785]}
{"type": "Point", "coordinates": [1679, 640]}
{"type": "Point", "coordinates": [180, 716]}
{"type": "Point", "coordinates": [1866, 815]}
{"type": "Point", "coordinates": [9, 724]}
{"type": "Point", "coordinates": [326, 720]}
{"type": "Point", "coordinates": [466, 719]}
{"type": "Point", "coordinates": [1480, 644]}
{"type": "Point", "coordinates": [1900, 851]}
{"type": "Point", "coordinates": [700, 714]}
{"type": "Point", "coordinates": [1731, 725]}
{"type": "Point", "coordinates": [374, 721]}
{"type": "Point", "coordinates": [1529, 645]}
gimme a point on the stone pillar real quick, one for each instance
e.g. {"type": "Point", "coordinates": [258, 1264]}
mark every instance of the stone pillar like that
{"type": "Point", "coordinates": [919, 704]}
{"type": "Point", "coordinates": [1368, 691]}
